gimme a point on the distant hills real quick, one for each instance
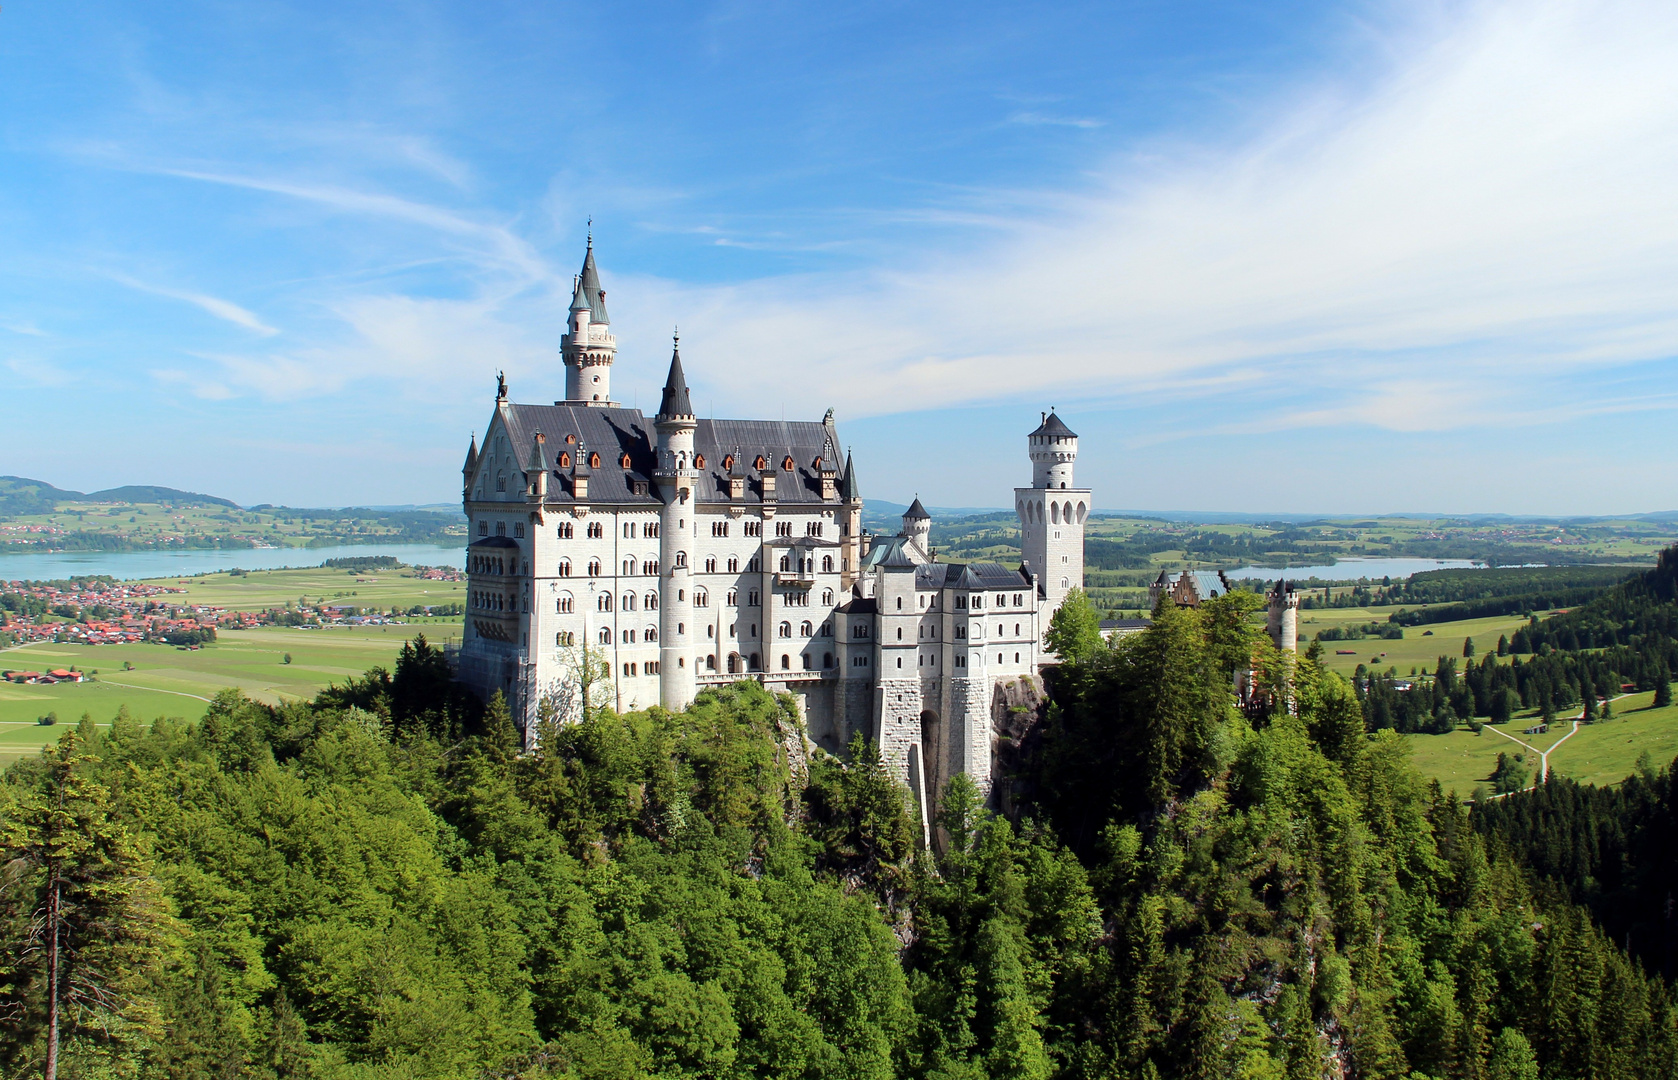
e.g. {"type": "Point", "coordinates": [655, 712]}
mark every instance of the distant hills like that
{"type": "Point", "coordinates": [20, 496]}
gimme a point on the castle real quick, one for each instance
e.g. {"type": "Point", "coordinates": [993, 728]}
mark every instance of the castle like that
{"type": "Point", "coordinates": [689, 552]}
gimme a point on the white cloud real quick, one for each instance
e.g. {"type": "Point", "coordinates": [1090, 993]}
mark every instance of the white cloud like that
{"type": "Point", "coordinates": [221, 309]}
{"type": "Point", "coordinates": [1494, 205]}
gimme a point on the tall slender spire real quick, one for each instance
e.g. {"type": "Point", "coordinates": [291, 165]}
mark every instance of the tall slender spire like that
{"type": "Point", "coordinates": [588, 284]}
{"type": "Point", "coordinates": [676, 401]}
{"type": "Point", "coordinates": [847, 482]}
{"type": "Point", "coordinates": [471, 456]}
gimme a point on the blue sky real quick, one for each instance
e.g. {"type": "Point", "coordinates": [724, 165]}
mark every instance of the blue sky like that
{"type": "Point", "coordinates": [1301, 257]}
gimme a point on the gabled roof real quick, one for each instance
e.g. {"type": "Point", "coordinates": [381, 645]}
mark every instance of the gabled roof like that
{"type": "Point", "coordinates": [916, 512]}
{"type": "Point", "coordinates": [588, 283]}
{"type": "Point", "coordinates": [1054, 427]}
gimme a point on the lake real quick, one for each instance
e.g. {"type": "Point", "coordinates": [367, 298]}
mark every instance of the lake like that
{"type": "Point", "coordinates": [1352, 569]}
{"type": "Point", "coordinates": [129, 565]}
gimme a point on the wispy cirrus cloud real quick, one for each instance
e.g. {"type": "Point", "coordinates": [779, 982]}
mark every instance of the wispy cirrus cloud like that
{"type": "Point", "coordinates": [1038, 119]}
{"type": "Point", "coordinates": [215, 305]}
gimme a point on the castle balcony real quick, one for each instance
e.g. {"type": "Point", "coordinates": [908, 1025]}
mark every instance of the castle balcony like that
{"type": "Point", "coordinates": [797, 578]}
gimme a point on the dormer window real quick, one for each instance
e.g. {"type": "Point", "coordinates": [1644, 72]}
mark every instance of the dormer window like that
{"type": "Point", "coordinates": [728, 462]}
{"type": "Point", "coordinates": [594, 460]}
{"type": "Point", "coordinates": [570, 440]}
{"type": "Point", "coordinates": [787, 463]}
{"type": "Point", "coordinates": [624, 461]}
{"type": "Point", "coordinates": [760, 463]}
{"type": "Point", "coordinates": [699, 461]}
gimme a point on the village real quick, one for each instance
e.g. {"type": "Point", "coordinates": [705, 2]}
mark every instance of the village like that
{"type": "Point", "coordinates": [101, 611]}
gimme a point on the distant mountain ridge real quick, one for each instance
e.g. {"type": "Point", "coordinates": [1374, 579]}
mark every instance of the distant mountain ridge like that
{"type": "Point", "coordinates": [21, 496]}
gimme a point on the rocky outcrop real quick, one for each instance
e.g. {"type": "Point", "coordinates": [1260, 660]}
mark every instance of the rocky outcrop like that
{"type": "Point", "coordinates": [1018, 709]}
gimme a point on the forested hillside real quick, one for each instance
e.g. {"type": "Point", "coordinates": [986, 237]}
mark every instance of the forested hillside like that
{"type": "Point", "coordinates": [377, 885]}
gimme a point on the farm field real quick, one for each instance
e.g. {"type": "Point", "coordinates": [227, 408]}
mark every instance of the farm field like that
{"type": "Point", "coordinates": [170, 682]}
{"type": "Point", "coordinates": [1603, 753]}
{"type": "Point", "coordinates": [1413, 650]}
{"type": "Point", "coordinates": [260, 589]}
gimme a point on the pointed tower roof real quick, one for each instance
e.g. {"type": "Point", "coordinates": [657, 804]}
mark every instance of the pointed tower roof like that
{"type": "Point", "coordinates": [579, 299]}
{"type": "Point", "coordinates": [916, 512]}
{"type": "Point", "coordinates": [538, 456]}
{"type": "Point", "coordinates": [471, 456]}
{"type": "Point", "coordinates": [1054, 427]}
{"type": "Point", "coordinates": [588, 284]}
{"type": "Point", "coordinates": [847, 480]}
{"type": "Point", "coordinates": [676, 401]}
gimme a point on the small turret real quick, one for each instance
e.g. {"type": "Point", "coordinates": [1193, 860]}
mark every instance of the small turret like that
{"type": "Point", "coordinates": [536, 470]}
{"type": "Point", "coordinates": [917, 526]}
{"type": "Point", "coordinates": [1282, 616]}
{"type": "Point", "coordinates": [1054, 450]}
{"type": "Point", "coordinates": [471, 465]}
{"type": "Point", "coordinates": [588, 347]}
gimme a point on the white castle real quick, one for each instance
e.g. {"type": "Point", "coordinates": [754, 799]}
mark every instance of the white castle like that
{"type": "Point", "coordinates": [692, 552]}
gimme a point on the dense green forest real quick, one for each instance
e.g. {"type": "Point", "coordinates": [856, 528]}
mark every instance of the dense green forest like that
{"type": "Point", "coordinates": [377, 884]}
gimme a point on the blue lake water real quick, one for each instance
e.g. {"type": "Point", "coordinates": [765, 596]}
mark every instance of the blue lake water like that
{"type": "Point", "coordinates": [129, 565]}
{"type": "Point", "coordinates": [1353, 569]}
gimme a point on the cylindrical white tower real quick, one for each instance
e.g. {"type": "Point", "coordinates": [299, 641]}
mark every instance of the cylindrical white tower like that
{"type": "Point", "coordinates": [917, 526]}
{"type": "Point", "coordinates": [676, 479]}
{"type": "Point", "coordinates": [1054, 450]}
{"type": "Point", "coordinates": [589, 347]}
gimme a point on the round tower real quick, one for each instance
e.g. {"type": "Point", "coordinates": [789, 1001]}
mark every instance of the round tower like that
{"type": "Point", "coordinates": [589, 347]}
{"type": "Point", "coordinates": [1282, 616]}
{"type": "Point", "coordinates": [1054, 450]}
{"type": "Point", "coordinates": [917, 526]}
{"type": "Point", "coordinates": [676, 479]}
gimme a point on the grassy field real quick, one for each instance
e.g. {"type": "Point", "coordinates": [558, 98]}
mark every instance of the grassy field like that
{"type": "Point", "coordinates": [169, 682]}
{"type": "Point", "coordinates": [1416, 649]}
{"type": "Point", "coordinates": [260, 589]}
{"type": "Point", "coordinates": [1602, 753]}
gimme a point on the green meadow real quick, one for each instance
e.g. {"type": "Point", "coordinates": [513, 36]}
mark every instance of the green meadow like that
{"type": "Point", "coordinates": [1600, 753]}
{"type": "Point", "coordinates": [261, 589]}
{"type": "Point", "coordinates": [1416, 649]}
{"type": "Point", "coordinates": [166, 681]}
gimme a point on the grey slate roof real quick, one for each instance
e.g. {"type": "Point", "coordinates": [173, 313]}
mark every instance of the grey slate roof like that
{"type": "Point", "coordinates": [588, 282]}
{"type": "Point", "coordinates": [1054, 427]}
{"type": "Point", "coordinates": [968, 576]}
{"type": "Point", "coordinates": [615, 432]}
{"type": "Point", "coordinates": [471, 456]}
{"type": "Point", "coordinates": [676, 402]}
{"type": "Point", "coordinates": [916, 511]}
{"type": "Point", "coordinates": [847, 481]}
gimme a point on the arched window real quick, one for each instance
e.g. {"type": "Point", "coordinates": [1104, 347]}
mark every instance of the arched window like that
{"type": "Point", "coordinates": [805, 628]}
{"type": "Point", "coordinates": [629, 566]}
{"type": "Point", "coordinates": [753, 663]}
{"type": "Point", "coordinates": [629, 637]}
{"type": "Point", "coordinates": [809, 662]}
{"type": "Point", "coordinates": [733, 662]}
{"type": "Point", "coordinates": [681, 558]}
{"type": "Point", "coordinates": [710, 564]}
{"type": "Point", "coordinates": [500, 481]}
{"type": "Point", "coordinates": [603, 602]}
{"type": "Point", "coordinates": [649, 568]}
{"type": "Point", "coordinates": [651, 601]}
{"type": "Point", "coordinates": [565, 568]}
{"type": "Point", "coordinates": [565, 639]}
{"type": "Point", "coordinates": [567, 604]}
{"type": "Point", "coordinates": [827, 596]}
{"type": "Point", "coordinates": [565, 530]}
{"type": "Point", "coordinates": [629, 601]}
{"type": "Point", "coordinates": [711, 662]}
{"type": "Point", "coordinates": [827, 564]}
{"type": "Point", "coordinates": [605, 635]}
{"type": "Point", "coordinates": [1054, 513]}
{"type": "Point", "coordinates": [594, 568]}
{"type": "Point", "coordinates": [701, 598]}
{"type": "Point", "coordinates": [596, 530]}
{"type": "Point", "coordinates": [649, 634]}
{"type": "Point", "coordinates": [733, 565]}
{"type": "Point", "coordinates": [786, 563]}
{"type": "Point", "coordinates": [827, 659]}
{"type": "Point", "coordinates": [786, 662]}
{"type": "Point", "coordinates": [786, 629]}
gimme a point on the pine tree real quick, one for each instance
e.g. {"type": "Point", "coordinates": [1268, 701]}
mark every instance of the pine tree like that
{"type": "Point", "coordinates": [1663, 688]}
{"type": "Point", "coordinates": [1511, 1057]}
{"type": "Point", "coordinates": [97, 926]}
{"type": "Point", "coordinates": [1467, 647]}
